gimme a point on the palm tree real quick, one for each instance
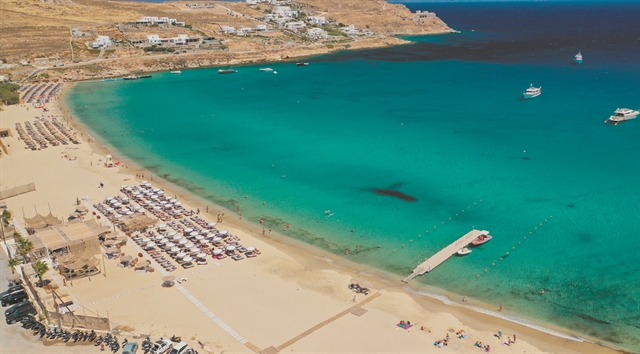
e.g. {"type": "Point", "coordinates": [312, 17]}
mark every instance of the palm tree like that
{"type": "Point", "coordinates": [24, 247]}
{"type": "Point", "coordinates": [13, 263]}
{"type": "Point", "coordinates": [40, 267]}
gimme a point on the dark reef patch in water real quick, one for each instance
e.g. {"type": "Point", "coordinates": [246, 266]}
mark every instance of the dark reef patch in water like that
{"type": "Point", "coordinates": [526, 158]}
{"type": "Point", "coordinates": [571, 205]}
{"type": "Point", "coordinates": [395, 194]}
{"type": "Point", "coordinates": [589, 318]}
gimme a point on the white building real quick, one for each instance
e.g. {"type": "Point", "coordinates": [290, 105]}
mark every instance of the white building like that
{"type": "Point", "coordinates": [228, 29]}
{"type": "Point", "coordinates": [423, 14]}
{"type": "Point", "coordinates": [261, 28]}
{"type": "Point", "coordinates": [350, 30]}
{"type": "Point", "coordinates": [294, 26]}
{"type": "Point", "coordinates": [284, 11]}
{"type": "Point", "coordinates": [152, 20]}
{"type": "Point", "coordinates": [102, 42]}
{"type": "Point", "coordinates": [153, 39]}
{"type": "Point", "coordinates": [317, 33]}
{"type": "Point", "coordinates": [255, 2]}
{"type": "Point", "coordinates": [317, 20]}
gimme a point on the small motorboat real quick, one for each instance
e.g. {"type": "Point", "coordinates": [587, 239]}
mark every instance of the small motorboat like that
{"type": "Point", "coordinates": [266, 69]}
{"type": "Point", "coordinates": [275, 72]}
{"type": "Point", "coordinates": [176, 72]}
{"type": "Point", "coordinates": [302, 64]}
{"type": "Point", "coordinates": [482, 239]}
{"type": "Point", "coordinates": [144, 77]}
{"type": "Point", "coordinates": [227, 71]}
{"type": "Point", "coordinates": [622, 114]}
{"type": "Point", "coordinates": [131, 77]}
{"type": "Point", "coordinates": [463, 251]}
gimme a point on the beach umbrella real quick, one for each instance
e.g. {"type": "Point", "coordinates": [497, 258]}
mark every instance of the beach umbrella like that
{"type": "Point", "coordinates": [74, 215]}
{"type": "Point", "coordinates": [163, 202]}
{"type": "Point", "coordinates": [211, 224]}
{"type": "Point", "coordinates": [224, 232]}
{"type": "Point", "coordinates": [203, 241]}
{"type": "Point", "coordinates": [129, 213]}
{"type": "Point", "coordinates": [159, 237]}
{"type": "Point", "coordinates": [231, 248]}
{"type": "Point", "coordinates": [178, 203]}
{"type": "Point", "coordinates": [251, 249]}
{"type": "Point", "coordinates": [217, 251]}
{"type": "Point", "coordinates": [194, 249]}
{"type": "Point", "coordinates": [111, 250]}
{"type": "Point", "coordinates": [109, 242]}
{"type": "Point", "coordinates": [183, 242]}
{"type": "Point", "coordinates": [181, 255]}
{"type": "Point", "coordinates": [168, 206]}
{"type": "Point", "coordinates": [187, 259]}
{"type": "Point", "coordinates": [126, 258]}
{"type": "Point", "coordinates": [168, 278]}
{"type": "Point", "coordinates": [199, 237]}
{"type": "Point", "coordinates": [161, 192]}
{"type": "Point", "coordinates": [202, 255]}
{"type": "Point", "coordinates": [145, 240]}
{"type": "Point", "coordinates": [123, 186]}
{"type": "Point", "coordinates": [194, 233]}
{"type": "Point", "coordinates": [172, 233]}
{"type": "Point", "coordinates": [155, 190]}
{"type": "Point", "coordinates": [217, 239]}
{"type": "Point", "coordinates": [189, 245]}
{"type": "Point", "coordinates": [187, 230]}
{"type": "Point", "coordinates": [164, 241]}
{"type": "Point", "coordinates": [81, 208]}
{"type": "Point", "coordinates": [145, 182]}
{"type": "Point", "coordinates": [173, 200]}
{"type": "Point", "coordinates": [162, 226]}
{"type": "Point", "coordinates": [12, 277]}
{"type": "Point", "coordinates": [151, 244]}
{"type": "Point", "coordinates": [143, 264]}
{"type": "Point", "coordinates": [177, 237]}
{"type": "Point", "coordinates": [108, 157]}
{"type": "Point", "coordinates": [109, 199]}
{"type": "Point", "coordinates": [174, 250]}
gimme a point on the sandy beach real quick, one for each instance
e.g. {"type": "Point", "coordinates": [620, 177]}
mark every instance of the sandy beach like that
{"type": "Point", "coordinates": [292, 297]}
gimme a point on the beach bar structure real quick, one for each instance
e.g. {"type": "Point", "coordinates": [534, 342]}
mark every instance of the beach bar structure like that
{"type": "Point", "coordinates": [431, 263]}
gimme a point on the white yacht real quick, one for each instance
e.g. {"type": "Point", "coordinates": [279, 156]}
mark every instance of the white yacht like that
{"type": "Point", "coordinates": [266, 69]}
{"type": "Point", "coordinates": [532, 92]}
{"type": "Point", "coordinates": [578, 58]}
{"type": "Point", "coordinates": [176, 72]}
{"type": "Point", "coordinates": [622, 114]}
{"type": "Point", "coordinates": [275, 72]}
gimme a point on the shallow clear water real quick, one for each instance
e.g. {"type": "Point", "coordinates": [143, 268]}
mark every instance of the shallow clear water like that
{"type": "Point", "coordinates": [450, 132]}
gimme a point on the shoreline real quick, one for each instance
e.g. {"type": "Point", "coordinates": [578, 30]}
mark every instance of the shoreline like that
{"type": "Point", "coordinates": [428, 297]}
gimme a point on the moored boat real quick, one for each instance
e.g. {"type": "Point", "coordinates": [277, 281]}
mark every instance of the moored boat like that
{"type": "Point", "coordinates": [532, 92]}
{"type": "Point", "coordinates": [578, 58]}
{"type": "Point", "coordinates": [176, 72]}
{"type": "Point", "coordinates": [463, 251]}
{"type": "Point", "coordinates": [302, 64]}
{"type": "Point", "coordinates": [131, 77]}
{"type": "Point", "coordinates": [483, 238]}
{"type": "Point", "coordinates": [227, 71]}
{"type": "Point", "coordinates": [622, 114]}
{"type": "Point", "coordinates": [266, 69]}
{"type": "Point", "coordinates": [144, 77]}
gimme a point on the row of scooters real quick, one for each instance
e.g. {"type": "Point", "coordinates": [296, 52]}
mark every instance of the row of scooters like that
{"type": "Point", "coordinates": [38, 328]}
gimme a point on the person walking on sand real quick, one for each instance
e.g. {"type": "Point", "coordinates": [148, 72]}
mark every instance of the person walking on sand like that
{"type": "Point", "coordinates": [514, 339]}
{"type": "Point", "coordinates": [355, 298]}
{"type": "Point", "coordinates": [269, 231]}
{"type": "Point", "coordinates": [500, 308]}
{"type": "Point", "coordinates": [240, 216]}
{"type": "Point", "coordinates": [499, 334]}
{"type": "Point", "coordinates": [263, 231]}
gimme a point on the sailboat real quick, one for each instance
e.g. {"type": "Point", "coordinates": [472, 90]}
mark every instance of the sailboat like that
{"type": "Point", "coordinates": [578, 58]}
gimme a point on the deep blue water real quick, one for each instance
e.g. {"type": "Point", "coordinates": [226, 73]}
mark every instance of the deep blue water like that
{"type": "Point", "coordinates": [439, 120]}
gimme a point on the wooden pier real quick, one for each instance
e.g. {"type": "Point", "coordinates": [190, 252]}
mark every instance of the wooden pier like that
{"type": "Point", "coordinates": [439, 258]}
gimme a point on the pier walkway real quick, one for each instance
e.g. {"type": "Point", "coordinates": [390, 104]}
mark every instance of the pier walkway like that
{"type": "Point", "coordinates": [439, 258]}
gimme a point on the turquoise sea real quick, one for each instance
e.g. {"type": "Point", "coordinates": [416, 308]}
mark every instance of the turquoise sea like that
{"type": "Point", "coordinates": [442, 121]}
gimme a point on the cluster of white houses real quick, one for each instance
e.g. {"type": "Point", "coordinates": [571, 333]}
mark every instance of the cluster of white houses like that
{"type": "Point", "coordinates": [272, 2]}
{"type": "Point", "coordinates": [244, 30]}
{"type": "Point", "coordinates": [101, 42]}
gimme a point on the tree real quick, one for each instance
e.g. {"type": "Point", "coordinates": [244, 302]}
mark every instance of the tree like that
{"type": "Point", "coordinates": [6, 216]}
{"type": "Point", "coordinates": [24, 247]}
{"type": "Point", "coordinates": [40, 267]}
{"type": "Point", "coordinates": [13, 263]}
{"type": "Point", "coordinates": [9, 93]}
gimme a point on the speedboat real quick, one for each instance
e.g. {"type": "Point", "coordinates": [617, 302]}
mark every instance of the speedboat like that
{"type": "Point", "coordinates": [578, 58]}
{"type": "Point", "coordinates": [227, 71]}
{"type": "Point", "coordinates": [622, 114]}
{"type": "Point", "coordinates": [176, 72]}
{"type": "Point", "coordinates": [144, 77]}
{"type": "Point", "coordinates": [532, 92]}
{"type": "Point", "coordinates": [463, 251]}
{"type": "Point", "coordinates": [302, 64]}
{"type": "Point", "coordinates": [266, 69]}
{"type": "Point", "coordinates": [131, 77]}
{"type": "Point", "coordinates": [275, 72]}
{"type": "Point", "coordinates": [483, 238]}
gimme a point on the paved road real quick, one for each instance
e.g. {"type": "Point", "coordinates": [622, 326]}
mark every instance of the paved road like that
{"type": "Point", "coordinates": [15, 339]}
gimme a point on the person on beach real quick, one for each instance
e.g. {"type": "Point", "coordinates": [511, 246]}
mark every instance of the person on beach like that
{"type": "Point", "coordinates": [269, 231]}
{"type": "Point", "coordinates": [500, 308]}
{"type": "Point", "coordinates": [263, 231]}
{"type": "Point", "coordinates": [240, 216]}
{"type": "Point", "coordinates": [499, 335]}
{"type": "Point", "coordinates": [207, 209]}
{"type": "Point", "coordinates": [514, 339]}
{"type": "Point", "coordinates": [355, 298]}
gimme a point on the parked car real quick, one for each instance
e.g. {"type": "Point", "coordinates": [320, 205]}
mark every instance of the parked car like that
{"type": "Point", "coordinates": [15, 298]}
{"type": "Point", "coordinates": [130, 348]}
{"type": "Point", "coordinates": [17, 306]}
{"type": "Point", "coordinates": [18, 315]}
{"type": "Point", "coordinates": [161, 346]}
{"type": "Point", "coordinates": [180, 348]}
{"type": "Point", "coordinates": [11, 290]}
